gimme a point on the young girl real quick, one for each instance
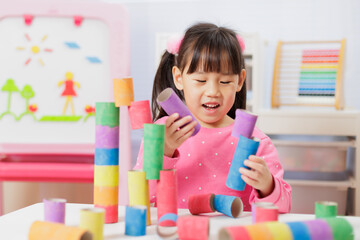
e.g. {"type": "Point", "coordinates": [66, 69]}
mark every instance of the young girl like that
{"type": "Point", "coordinates": [207, 72]}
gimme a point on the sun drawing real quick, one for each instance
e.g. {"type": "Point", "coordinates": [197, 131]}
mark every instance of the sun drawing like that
{"type": "Point", "coordinates": [35, 49]}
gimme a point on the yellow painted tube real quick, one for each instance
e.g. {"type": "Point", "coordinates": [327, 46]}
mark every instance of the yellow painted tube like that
{"type": "Point", "coordinates": [139, 191]}
{"type": "Point", "coordinates": [106, 175]}
{"type": "Point", "coordinates": [106, 196]}
{"type": "Point", "coordinates": [40, 230]}
{"type": "Point", "coordinates": [279, 231]}
{"type": "Point", "coordinates": [123, 91]}
{"type": "Point", "coordinates": [92, 219]}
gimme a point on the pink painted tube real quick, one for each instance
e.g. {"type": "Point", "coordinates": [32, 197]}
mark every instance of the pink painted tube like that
{"type": "Point", "coordinates": [171, 103]}
{"type": "Point", "coordinates": [193, 227]}
{"type": "Point", "coordinates": [54, 210]}
{"type": "Point", "coordinates": [244, 123]}
{"type": "Point", "coordinates": [139, 112]}
{"type": "Point", "coordinates": [166, 191]}
{"type": "Point", "coordinates": [265, 213]}
{"type": "Point", "coordinates": [201, 203]}
{"type": "Point", "coordinates": [111, 213]}
{"type": "Point", "coordinates": [124, 155]}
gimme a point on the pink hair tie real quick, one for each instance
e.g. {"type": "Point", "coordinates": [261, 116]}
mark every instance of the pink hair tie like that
{"type": "Point", "coordinates": [241, 42]}
{"type": "Point", "coordinates": [173, 44]}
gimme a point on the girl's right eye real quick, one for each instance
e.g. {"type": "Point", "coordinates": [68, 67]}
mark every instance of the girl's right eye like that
{"type": "Point", "coordinates": [200, 81]}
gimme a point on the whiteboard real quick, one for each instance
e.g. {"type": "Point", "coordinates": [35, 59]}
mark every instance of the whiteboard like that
{"type": "Point", "coordinates": [52, 64]}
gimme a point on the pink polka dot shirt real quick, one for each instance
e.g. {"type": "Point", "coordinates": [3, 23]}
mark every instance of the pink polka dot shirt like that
{"type": "Point", "coordinates": [203, 162]}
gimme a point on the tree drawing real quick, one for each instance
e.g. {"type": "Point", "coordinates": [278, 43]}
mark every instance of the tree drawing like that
{"type": "Point", "coordinates": [27, 93]}
{"type": "Point", "coordinates": [9, 87]}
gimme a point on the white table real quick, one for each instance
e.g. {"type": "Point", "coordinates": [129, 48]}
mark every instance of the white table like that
{"type": "Point", "coordinates": [16, 225]}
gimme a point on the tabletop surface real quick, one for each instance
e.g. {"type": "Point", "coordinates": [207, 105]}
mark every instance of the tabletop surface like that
{"type": "Point", "coordinates": [16, 225]}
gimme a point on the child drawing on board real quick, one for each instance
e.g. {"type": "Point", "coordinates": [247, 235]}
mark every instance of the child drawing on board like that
{"type": "Point", "coordinates": [69, 91]}
{"type": "Point", "coordinates": [206, 70]}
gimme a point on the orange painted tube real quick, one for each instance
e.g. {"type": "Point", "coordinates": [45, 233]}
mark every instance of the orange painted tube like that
{"type": "Point", "coordinates": [106, 196]}
{"type": "Point", "coordinates": [259, 232]}
{"type": "Point", "coordinates": [40, 230]}
{"type": "Point", "coordinates": [166, 191]}
{"type": "Point", "coordinates": [123, 91]}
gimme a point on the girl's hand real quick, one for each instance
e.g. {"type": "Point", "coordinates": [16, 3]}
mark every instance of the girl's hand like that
{"type": "Point", "coordinates": [258, 176]}
{"type": "Point", "coordinates": [176, 133]}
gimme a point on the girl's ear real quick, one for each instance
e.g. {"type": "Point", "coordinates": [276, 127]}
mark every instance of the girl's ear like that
{"type": "Point", "coordinates": [241, 80]}
{"type": "Point", "coordinates": [177, 78]}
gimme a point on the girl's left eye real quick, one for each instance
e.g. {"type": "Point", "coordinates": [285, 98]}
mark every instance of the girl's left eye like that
{"type": "Point", "coordinates": [200, 81]}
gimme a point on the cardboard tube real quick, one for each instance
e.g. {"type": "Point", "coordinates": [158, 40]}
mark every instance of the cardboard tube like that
{"type": "Point", "coordinates": [166, 191]}
{"type": "Point", "coordinates": [228, 205]}
{"type": "Point", "coordinates": [111, 213]}
{"type": "Point", "coordinates": [54, 210]}
{"type": "Point", "coordinates": [139, 191]}
{"type": "Point", "coordinates": [107, 114]}
{"type": "Point", "coordinates": [153, 150]}
{"type": "Point", "coordinates": [325, 209]}
{"type": "Point", "coordinates": [201, 203]}
{"type": "Point", "coordinates": [193, 227]}
{"type": "Point", "coordinates": [171, 103]}
{"type": "Point", "coordinates": [299, 231]}
{"type": "Point", "coordinates": [55, 231]}
{"type": "Point", "coordinates": [244, 149]}
{"type": "Point", "coordinates": [123, 91]}
{"type": "Point", "coordinates": [279, 231]}
{"type": "Point", "coordinates": [163, 232]}
{"type": "Point", "coordinates": [244, 123]}
{"type": "Point", "coordinates": [266, 213]}
{"type": "Point", "coordinates": [234, 233]}
{"type": "Point", "coordinates": [135, 221]}
{"type": "Point", "coordinates": [106, 196]}
{"type": "Point", "coordinates": [341, 228]}
{"type": "Point", "coordinates": [106, 156]}
{"type": "Point", "coordinates": [140, 114]}
{"type": "Point", "coordinates": [259, 231]}
{"type": "Point", "coordinates": [319, 229]}
{"type": "Point", "coordinates": [106, 175]}
{"type": "Point", "coordinates": [106, 137]}
{"type": "Point", "coordinates": [258, 204]}
{"type": "Point", "coordinates": [93, 219]}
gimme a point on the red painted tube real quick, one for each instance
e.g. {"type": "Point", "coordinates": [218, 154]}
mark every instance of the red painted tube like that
{"type": "Point", "coordinates": [111, 213]}
{"type": "Point", "coordinates": [193, 227]}
{"type": "Point", "coordinates": [201, 203]}
{"type": "Point", "coordinates": [266, 213]}
{"type": "Point", "coordinates": [167, 195]}
{"type": "Point", "coordinates": [234, 233]}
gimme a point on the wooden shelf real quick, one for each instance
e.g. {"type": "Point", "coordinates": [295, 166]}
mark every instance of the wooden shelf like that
{"type": "Point", "coordinates": [313, 183]}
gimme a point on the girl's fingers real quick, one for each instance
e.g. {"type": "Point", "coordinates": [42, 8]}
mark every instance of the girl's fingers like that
{"type": "Point", "coordinates": [249, 181]}
{"type": "Point", "coordinates": [186, 136]}
{"type": "Point", "coordinates": [177, 125]}
{"type": "Point", "coordinates": [171, 119]}
{"type": "Point", "coordinates": [250, 173]}
{"type": "Point", "coordinates": [254, 165]}
{"type": "Point", "coordinates": [185, 129]}
{"type": "Point", "coordinates": [257, 159]}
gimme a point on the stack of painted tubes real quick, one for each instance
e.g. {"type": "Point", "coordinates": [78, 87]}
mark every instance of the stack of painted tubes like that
{"type": "Point", "coordinates": [319, 229]}
{"type": "Point", "coordinates": [106, 172]}
{"type": "Point", "coordinates": [243, 129]}
{"type": "Point", "coordinates": [207, 203]}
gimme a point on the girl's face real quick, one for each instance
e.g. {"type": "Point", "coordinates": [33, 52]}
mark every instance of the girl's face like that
{"type": "Point", "coordinates": [209, 95]}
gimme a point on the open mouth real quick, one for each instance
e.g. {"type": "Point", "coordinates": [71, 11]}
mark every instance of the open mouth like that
{"type": "Point", "coordinates": [211, 106]}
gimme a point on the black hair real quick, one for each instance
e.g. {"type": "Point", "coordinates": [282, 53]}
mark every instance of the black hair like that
{"type": "Point", "coordinates": [215, 49]}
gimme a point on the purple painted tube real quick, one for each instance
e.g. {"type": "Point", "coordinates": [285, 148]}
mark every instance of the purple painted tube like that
{"type": "Point", "coordinates": [171, 103]}
{"type": "Point", "coordinates": [244, 123]}
{"type": "Point", "coordinates": [319, 229]}
{"type": "Point", "coordinates": [54, 210]}
{"type": "Point", "coordinates": [106, 137]}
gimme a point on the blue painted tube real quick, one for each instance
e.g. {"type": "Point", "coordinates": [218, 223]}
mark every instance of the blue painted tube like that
{"type": "Point", "coordinates": [106, 156]}
{"type": "Point", "coordinates": [135, 221]}
{"type": "Point", "coordinates": [228, 205]}
{"type": "Point", "coordinates": [299, 231]}
{"type": "Point", "coordinates": [244, 149]}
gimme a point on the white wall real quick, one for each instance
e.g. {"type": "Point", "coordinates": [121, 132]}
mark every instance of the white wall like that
{"type": "Point", "coordinates": [274, 20]}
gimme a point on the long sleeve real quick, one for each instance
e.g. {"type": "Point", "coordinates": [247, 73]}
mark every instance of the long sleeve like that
{"type": "Point", "coordinates": [281, 195]}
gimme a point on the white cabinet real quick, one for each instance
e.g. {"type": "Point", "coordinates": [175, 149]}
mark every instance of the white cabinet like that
{"type": "Point", "coordinates": [313, 123]}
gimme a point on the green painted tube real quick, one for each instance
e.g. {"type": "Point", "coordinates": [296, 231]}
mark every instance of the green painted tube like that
{"type": "Point", "coordinates": [153, 149]}
{"type": "Point", "coordinates": [107, 114]}
{"type": "Point", "coordinates": [324, 209]}
{"type": "Point", "coordinates": [341, 228]}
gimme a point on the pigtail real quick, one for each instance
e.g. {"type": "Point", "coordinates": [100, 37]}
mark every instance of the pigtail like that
{"type": "Point", "coordinates": [163, 79]}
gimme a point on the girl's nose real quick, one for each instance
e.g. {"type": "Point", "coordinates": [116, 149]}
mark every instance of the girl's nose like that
{"type": "Point", "coordinates": [212, 89]}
